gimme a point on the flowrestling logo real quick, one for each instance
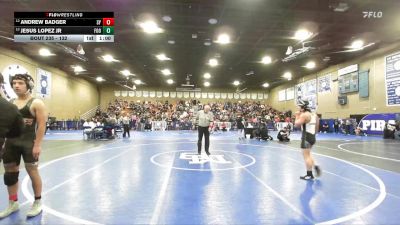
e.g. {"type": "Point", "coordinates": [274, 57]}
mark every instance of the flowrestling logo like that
{"type": "Point", "coordinates": [375, 123]}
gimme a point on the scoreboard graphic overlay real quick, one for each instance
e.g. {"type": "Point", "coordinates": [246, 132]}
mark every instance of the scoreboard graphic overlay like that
{"type": "Point", "coordinates": [64, 26]}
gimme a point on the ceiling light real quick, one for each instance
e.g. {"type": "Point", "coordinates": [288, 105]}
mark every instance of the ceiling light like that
{"type": "Point", "coordinates": [167, 18]}
{"type": "Point", "coordinates": [206, 84]}
{"type": "Point", "coordinates": [45, 52]}
{"type": "Point", "coordinates": [357, 44]}
{"type": "Point", "coordinates": [166, 72]}
{"type": "Point", "coordinates": [99, 79]}
{"type": "Point", "coordinates": [109, 58]}
{"type": "Point", "coordinates": [207, 43]}
{"type": "Point", "coordinates": [150, 27]}
{"type": "Point", "coordinates": [126, 72]}
{"type": "Point", "coordinates": [213, 62]}
{"type": "Point", "coordinates": [78, 69]}
{"type": "Point", "coordinates": [265, 85]}
{"type": "Point", "coordinates": [236, 83]}
{"type": "Point", "coordinates": [287, 75]}
{"type": "Point", "coordinates": [302, 35]}
{"type": "Point", "coordinates": [223, 39]}
{"type": "Point", "coordinates": [170, 81]}
{"type": "Point", "coordinates": [310, 65]}
{"type": "Point", "coordinates": [194, 36]}
{"type": "Point", "coordinates": [212, 21]}
{"type": "Point", "coordinates": [171, 42]}
{"type": "Point", "coordinates": [207, 75]}
{"type": "Point", "coordinates": [137, 81]}
{"type": "Point", "coordinates": [266, 60]}
{"type": "Point", "coordinates": [162, 57]}
{"type": "Point", "coordinates": [289, 50]}
{"type": "Point", "coordinates": [79, 49]}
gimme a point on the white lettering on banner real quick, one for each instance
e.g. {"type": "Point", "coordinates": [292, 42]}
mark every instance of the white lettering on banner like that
{"type": "Point", "coordinates": [375, 125]}
{"type": "Point", "coordinates": [366, 124]}
{"type": "Point", "coordinates": [201, 159]}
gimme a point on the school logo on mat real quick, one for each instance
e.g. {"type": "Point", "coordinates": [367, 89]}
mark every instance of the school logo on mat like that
{"type": "Point", "coordinates": [201, 159]}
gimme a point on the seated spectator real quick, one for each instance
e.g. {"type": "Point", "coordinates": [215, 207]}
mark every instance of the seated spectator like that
{"type": "Point", "coordinates": [223, 126]}
{"type": "Point", "coordinates": [325, 127]}
{"type": "Point", "coordinates": [283, 135]}
{"type": "Point", "coordinates": [359, 131]}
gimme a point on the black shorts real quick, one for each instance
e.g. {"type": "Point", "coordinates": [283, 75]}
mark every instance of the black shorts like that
{"type": "Point", "coordinates": [307, 140]}
{"type": "Point", "coordinates": [13, 151]}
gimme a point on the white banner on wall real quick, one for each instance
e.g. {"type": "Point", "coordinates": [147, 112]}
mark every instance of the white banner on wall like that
{"type": "Point", "coordinates": [138, 93]}
{"type": "Point", "coordinates": [223, 95]}
{"type": "Point", "coordinates": [145, 94]}
{"type": "Point", "coordinates": [217, 95]}
{"type": "Point", "coordinates": [198, 94]}
{"type": "Point", "coordinates": [179, 94]}
{"type": "Point", "coordinates": [290, 93]}
{"type": "Point", "coordinates": [172, 94]}
{"type": "Point", "coordinates": [131, 93]}
{"type": "Point", "coordinates": [392, 79]}
{"type": "Point", "coordinates": [211, 95]}
{"type": "Point", "coordinates": [117, 93]}
{"type": "Point", "coordinates": [307, 91]}
{"type": "Point", "coordinates": [124, 93]}
{"type": "Point", "coordinates": [43, 80]}
{"type": "Point", "coordinates": [282, 95]}
{"type": "Point", "coordinates": [166, 94]}
{"type": "Point", "coordinates": [299, 91]}
{"type": "Point", "coordinates": [324, 83]}
{"type": "Point", "coordinates": [159, 94]}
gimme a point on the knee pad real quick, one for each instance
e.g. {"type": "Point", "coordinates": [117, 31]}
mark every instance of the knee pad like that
{"type": "Point", "coordinates": [10, 178]}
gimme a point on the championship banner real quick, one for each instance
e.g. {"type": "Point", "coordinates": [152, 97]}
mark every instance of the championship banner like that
{"type": "Point", "coordinates": [43, 83]}
{"type": "Point", "coordinates": [282, 95]}
{"type": "Point", "coordinates": [392, 79]}
{"type": "Point", "coordinates": [290, 93]}
{"type": "Point", "coordinates": [324, 83]}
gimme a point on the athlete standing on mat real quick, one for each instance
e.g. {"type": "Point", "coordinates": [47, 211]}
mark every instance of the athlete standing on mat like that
{"type": "Point", "coordinates": [309, 123]}
{"type": "Point", "coordinates": [28, 145]}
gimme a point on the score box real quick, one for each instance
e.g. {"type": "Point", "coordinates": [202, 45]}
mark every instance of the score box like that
{"type": "Point", "coordinates": [108, 21]}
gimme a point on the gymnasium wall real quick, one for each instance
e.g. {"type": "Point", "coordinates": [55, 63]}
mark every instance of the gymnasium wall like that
{"type": "Point", "coordinates": [70, 96]}
{"type": "Point", "coordinates": [328, 102]}
{"type": "Point", "coordinates": [107, 95]}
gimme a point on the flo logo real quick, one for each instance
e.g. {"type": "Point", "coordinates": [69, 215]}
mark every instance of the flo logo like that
{"type": "Point", "coordinates": [201, 159]}
{"type": "Point", "coordinates": [372, 14]}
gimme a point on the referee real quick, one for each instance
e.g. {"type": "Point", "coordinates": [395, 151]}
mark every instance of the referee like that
{"type": "Point", "coordinates": [203, 120]}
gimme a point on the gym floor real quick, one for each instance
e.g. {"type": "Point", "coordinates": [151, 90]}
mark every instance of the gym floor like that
{"type": "Point", "coordinates": [157, 178]}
